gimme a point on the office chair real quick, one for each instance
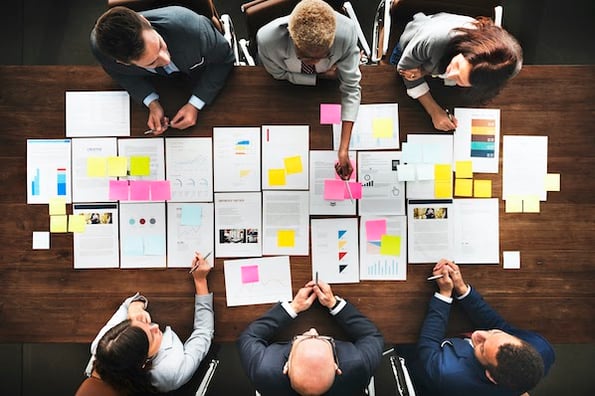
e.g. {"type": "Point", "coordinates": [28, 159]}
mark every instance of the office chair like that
{"type": "Point", "coordinates": [260, 12]}
{"type": "Point", "coordinates": [393, 15]}
{"type": "Point", "coordinates": [207, 8]}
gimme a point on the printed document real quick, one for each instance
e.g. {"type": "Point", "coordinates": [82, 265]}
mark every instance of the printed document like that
{"type": "Point", "coordinates": [477, 138]}
{"type": "Point", "coordinates": [430, 226]}
{"type": "Point", "coordinates": [376, 127]}
{"type": "Point", "coordinates": [382, 192]}
{"type": "Point", "coordinates": [147, 147]}
{"type": "Point", "coordinates": [97, 113]}
{"type": "Point", "coordinates": [98, 246]}
{"type": "Point", "coordinates": [90, 182]}
{"type": "Point", "coordinates": [238, 218]}
{"type": "Point", "coordinates": [142, 235]}
{"type": "Point", "coordinates": [424, 152]}
{"type": "Point", "coordinates": [524, 166]}
{"type": "Point", "coordinates": [48, 170]}
{"type": "Point", "coordinates": [189, 168]}
{"type": "Point", "coordinates": [383, 248]}
{"type": "Point", "coordinates": [236, 159]}
{"type": "Point", "coordinates": [322, 167]}
{"type": "Point", "coordinates": [285, 157]}
{"type": "Point", "coordinates": [189, 230]}
{"type": "Point", "coordinates": [335, 253]}
{"type": "Point", "coordinates": [476, 232]}
{"type": "Point", "coordinates": [285, 223]}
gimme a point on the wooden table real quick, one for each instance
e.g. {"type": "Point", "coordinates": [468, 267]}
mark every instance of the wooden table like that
{"type": "Point", "coordinates": [43, 299]}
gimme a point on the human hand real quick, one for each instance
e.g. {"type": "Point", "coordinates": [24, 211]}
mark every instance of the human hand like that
{"type": "Point", "coordinates": [185, 117]}
{"type": "Point", "coordinates": [330, 74]}
{"type": "Point", "coordinates": [343, 166]}
{"type": "Point", "coordinates": [445, 284]}
{"type": "Point", "coordinates": [444, 121]}
{"type": "Point", "coordinates": [324, 293]}
{"type": "Point", "coordinates": [411, 74]}
{"type": "Point", "coordinates": [457, 278]}
{"type": "Point", "coordinates": [136, 311]}
{"type": "Point", "coordinates": [157, 122]}
{"type": "Point", "coordinates": [200, 267]}
{"type": "Point", "coordinates": [303, 299]}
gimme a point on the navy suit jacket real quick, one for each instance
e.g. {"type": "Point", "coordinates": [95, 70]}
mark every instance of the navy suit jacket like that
{"type": "Point", "coordinates": [263, 361]}
{"type": "Point", "coordinates": [195, 47]}
{"type": "Point", "coordinates": [449, 366]}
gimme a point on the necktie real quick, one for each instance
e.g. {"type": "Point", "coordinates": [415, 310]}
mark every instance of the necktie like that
{"type": "Point", "coordinates": [308, 69]}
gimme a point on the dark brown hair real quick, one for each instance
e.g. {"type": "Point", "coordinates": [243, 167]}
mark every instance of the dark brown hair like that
{"type": "Point", "coordinates": [519, 367]}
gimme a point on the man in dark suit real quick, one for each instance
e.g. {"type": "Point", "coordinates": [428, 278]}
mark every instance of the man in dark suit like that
{"type": "Point", "coordinates": [498, 359]}
{"type": "Point", "coordinates": [311, 364]}
{"type": "Point", "coordinates": [132, 47]}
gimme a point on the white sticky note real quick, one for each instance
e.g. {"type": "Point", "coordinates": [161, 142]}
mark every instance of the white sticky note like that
{"type": "Point", "coordinates": [511, 260]}
{"type": "Point", "coordinates": [41, 240]}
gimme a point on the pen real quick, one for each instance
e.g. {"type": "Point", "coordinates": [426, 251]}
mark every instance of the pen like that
{"type": "Point", "coordinates": [316, 279]}
{"type": "Point", "coordinates": [152, 131]}
{"type": "Point", "coordinates": [194, 268]}
{"type": "Point", "coordinates": [449, 115]}
{"type": "Point", "coordinates": [349, 190]}
{"type": "Point", "coordinates": [431, 278]}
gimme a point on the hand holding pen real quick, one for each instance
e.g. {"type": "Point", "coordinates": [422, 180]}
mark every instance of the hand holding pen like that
{"type": "Point", "coordinates": [452, 119]}
{"type": "Point", "coordinates": [200, 263]}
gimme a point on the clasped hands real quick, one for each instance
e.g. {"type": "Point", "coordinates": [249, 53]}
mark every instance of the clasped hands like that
{"type": "Point", "coordinates": [306, 296]}
{"type": "Point", "coordinates": [451, 279]}
{"type": "Point", "coordinates": [158, 122]}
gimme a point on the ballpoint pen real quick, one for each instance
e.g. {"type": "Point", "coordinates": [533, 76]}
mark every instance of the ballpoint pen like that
{"type": "Point", "coordinates": [449, 115]}
{"type": "Point", "coordinates": [195, 267]}
{"type": "Point", "coordinates": [152, 131]}
{"type": "Point", "coordinates": [434, 277]}
{"type": "Point", "coordinates": [349, 190]}
{"type": "Point", "coordinates": [316, 279]}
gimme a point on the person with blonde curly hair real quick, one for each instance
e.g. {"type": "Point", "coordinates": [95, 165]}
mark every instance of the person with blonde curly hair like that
{"type": "Point", "coordinates": [315, 42]}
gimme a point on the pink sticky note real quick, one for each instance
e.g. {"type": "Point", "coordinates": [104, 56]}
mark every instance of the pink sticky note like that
{"type": "Point", "coordinates": [250, 274]}
{"type": "Point", "coordinates": [118, 190]}
{"type": "Point", "coordinates": [160, 190]}
{"type": "Point", "coordinates": [140, 190]}
{"type": "Point", "coordinates": [356, 190]}
{"type": "Point", "coordinates": [330, 113]}
{"type": "Point", "coordinates": [352, 177]}
{"type": "Point", "coordinates": [375, 229]}
{"type": "Point", "coordinates": [334, 190]}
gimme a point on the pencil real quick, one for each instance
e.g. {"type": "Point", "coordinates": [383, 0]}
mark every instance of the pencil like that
{"type": "Point", "coordinates": [434, 277]}
{"type": "Point", "coordinates": [194, 268]}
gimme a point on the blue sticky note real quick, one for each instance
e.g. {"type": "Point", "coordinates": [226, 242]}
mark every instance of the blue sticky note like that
{"type": "Point", "coordinates": [132, 245]}
{"type": "Point", "coordinates": [154, 245]}
{"type": "Point", "coordinates": [191, 215]}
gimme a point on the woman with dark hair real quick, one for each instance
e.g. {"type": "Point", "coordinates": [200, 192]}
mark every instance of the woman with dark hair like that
{"type": "Point", "coordinates": [134, 357]}
{"type": "Point", "coordinates": [468, 52]}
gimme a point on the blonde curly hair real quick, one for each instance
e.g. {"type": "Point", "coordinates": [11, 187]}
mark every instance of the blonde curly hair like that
{"type": "Point", "coordinates": [312, 26]}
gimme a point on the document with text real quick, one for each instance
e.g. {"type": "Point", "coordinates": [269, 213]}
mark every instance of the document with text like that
{"type": "Point", "coordinates": [285, 157]}
{"type": "Point", "coordinates": [376, 127]}
{"type": "Point", "coordinates": [430, 230]}
{"type": "Point", "coordinates": [383, 248]}
{"type": "Point", "coordinates": [189, 229]}
{"type": "Point", "coordinates": [142, 235]}
{"type": "Point", "coordinates": [238, 230]}
{"type": "Point", "coordinates": [189, 168]}
{"type": "Point", "coordinates": [97, 113]}
{"type": "Point", "coordinates": [322, 167]}
{"type": "Point", "coordinates": [90, 182]}
{"type": "Point", "coordinates": [236, 159]}
{"type": "Point", "coordinates": [285, 223]}
{"type": "Point", "coordinates": [382, 192]}
{"type": "Point", "coordinates": [477, 138]}
{"type": "Point", "coordinates": [98, 245]}
{"type": "Point", "coordinates": [335, 253]}
{"type": "Point", "coordinates": [48, 170]}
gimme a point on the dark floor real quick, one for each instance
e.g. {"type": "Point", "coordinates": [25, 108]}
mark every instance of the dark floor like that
{"type": "Point", "coordinates": [44, 32]}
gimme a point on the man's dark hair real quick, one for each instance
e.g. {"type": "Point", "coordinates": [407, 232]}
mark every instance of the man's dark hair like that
{"type": "Point", "coordinates": [119, 34]}
{"type": "Point", "coordinates": [520, 367]}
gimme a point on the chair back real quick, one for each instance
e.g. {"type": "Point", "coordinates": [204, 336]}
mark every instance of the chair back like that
{"type": "Point", "coordinates": [93, 386]}
{"type": "Point", "coordinates": [201, 7]}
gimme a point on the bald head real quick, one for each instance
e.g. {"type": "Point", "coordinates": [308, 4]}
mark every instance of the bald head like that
{"type": "Point", "coordinates": [312, 367]}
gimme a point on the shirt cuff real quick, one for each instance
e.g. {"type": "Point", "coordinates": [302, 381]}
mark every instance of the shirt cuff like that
{"type": "Point", "coordinates": [289, 310]}
{"type": "Point", "coordinates": [149, 98]}
{"type": "Point", "coordinates": [339, 306]}
{"type": "Point", "coordinates": [418, 90]}
{"type": "Point", "coordinates": [439, 296]}
{"type": "Point", "coordinates": [466, 293]}
{"type": "Point", "coordinates": [138, 297]}
{"type": "Point", "coordinates": [196, 102]}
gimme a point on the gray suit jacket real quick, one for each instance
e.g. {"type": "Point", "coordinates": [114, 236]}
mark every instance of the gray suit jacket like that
{"type": "Point", "coordinates": [195, 46]}
{"type": "Point", "coordinates": [278, 55]}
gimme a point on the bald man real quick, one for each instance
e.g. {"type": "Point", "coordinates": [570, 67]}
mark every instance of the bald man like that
{"type": "Point", "coordinates": [311, 364]}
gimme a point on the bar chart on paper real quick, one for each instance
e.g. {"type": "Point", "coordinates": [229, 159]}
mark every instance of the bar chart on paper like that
{"type": "Point", "coordinates": [383, 244]}
{"type": "Point", "coordinates": [48, 170]}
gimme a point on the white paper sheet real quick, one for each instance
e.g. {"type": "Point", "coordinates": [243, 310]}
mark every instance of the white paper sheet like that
{"type": "Point", "coordinates": [375, 263]}
{"type": "Point", "coordinates": [236, 159]}
{"type": "Point", "coordinates": [150, 147]}
{"type": "Point", "coordinates": [238, 231]}
{"type": "Point", "coordinates": [142, 235]}
{"type": "Point", "coordinates": [48, 170]}
{"type": "Point", "coordinates": [257, 281]}
{"type": "Point", "coordinates": [382, 193]}
{"type": "Point", "coordinates": [335, 253]}
{"type": "Point", "coordinates": [85, 188]}
{"type": "Point", "coordinates": [476, 232]}
{"type": "Point", "coordinates": [41, 240]}
{"type": "Point", "coordinates": [322, 166]}
{"type": "Point", "coordinates": [285, 224]}
{"type": "Point", "coordinates": [430, 226]}
{"type": "Point", "coordinates": [431, 149]}
{"type": "Point", "coordinates": [524, 166]}
{"type": "Point", "coordinates": [477, 138]}
{"type": "Point", "coordinates": [368, 130]}
{"type": "Point", "coordinates": [283, 145]}
{"type": "Point", "coordinates": [98, 246]}
{"type": "Point", "coordinates": [189, 168]}
{"type": "Point", "coordinates": [97, 113]}
{"type": "Point", "coordinates": [189, 229]}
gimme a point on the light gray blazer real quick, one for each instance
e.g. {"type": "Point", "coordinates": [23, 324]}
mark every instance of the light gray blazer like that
{"type": "Point", "coordinates": [278, 56]}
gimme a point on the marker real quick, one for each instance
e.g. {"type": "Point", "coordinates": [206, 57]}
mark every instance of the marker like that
{"type": "Point", "coordinates": [434, 277]}
{"type": "Point", "coordinates": [196, 266]}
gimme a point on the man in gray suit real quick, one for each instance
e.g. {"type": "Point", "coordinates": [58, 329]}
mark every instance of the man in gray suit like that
{"type": "Point", "coordinates": [132, 47]}
{"type": "Point", "coordinates": [316, 42]}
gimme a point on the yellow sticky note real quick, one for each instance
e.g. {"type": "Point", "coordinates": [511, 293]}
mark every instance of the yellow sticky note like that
{"type": "Point", "coordinates": [442, 189]}
{"type": "Point", "coordinates": [286, 238]}
{"type": "Point", "coordinates": [514, 204]}
{"type": "Point", "coordinates": [382, 127]}
{"type": "Point", "coordinates": [531, 204]}
{"type": "Point", "coordinates": [58, 223]}
{"type": "Point", "coordinates": [76, 223]}
{"type": "Point", "coordinates": [442, 172]}
{"type": "Point", "coordinates": [96, 166]}
{"type": "Point", "coordinates": [464, 169]}
{"type": "Point", "coordinates": [552, 182]}
{"type": "Point", "coordinates": [464, 187]}
{"type": "Point", "coordinates": [117, 166]}
{"type": "Point", "coordinates": [140, 166]}
{"type": "Point", "coordinates": [57, 206]}
{"type": "Point", "coordinates": [277, 177]}
{"type": "Point", "coordinates": [482, 188]}
{"type": "Point", "coordinates": [390, 245]}
{"type": "Point", "coordinates": [293, 164]}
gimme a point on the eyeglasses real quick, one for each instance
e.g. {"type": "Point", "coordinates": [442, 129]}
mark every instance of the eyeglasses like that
{"type": "Point", "coordinates": [330, 340]}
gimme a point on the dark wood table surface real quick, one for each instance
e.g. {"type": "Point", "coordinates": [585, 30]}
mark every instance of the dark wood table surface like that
{"type": "Point", "coordinates": [43, 299]}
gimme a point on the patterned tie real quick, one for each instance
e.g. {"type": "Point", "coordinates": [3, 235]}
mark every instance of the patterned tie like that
{"type": "Point", "coordinates": [308, 69]}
